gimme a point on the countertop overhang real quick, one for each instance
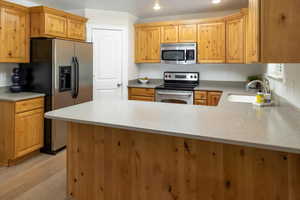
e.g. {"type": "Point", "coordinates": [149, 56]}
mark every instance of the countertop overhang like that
{"type": "Point", "coordinates": [276, 128]}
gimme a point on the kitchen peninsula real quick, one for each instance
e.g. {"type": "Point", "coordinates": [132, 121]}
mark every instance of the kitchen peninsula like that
{"type": "Point", "coordinates": [130, 150]}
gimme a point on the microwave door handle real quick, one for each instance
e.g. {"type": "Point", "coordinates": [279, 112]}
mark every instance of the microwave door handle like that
{"type": "Point", "coordinates": [185, 54]}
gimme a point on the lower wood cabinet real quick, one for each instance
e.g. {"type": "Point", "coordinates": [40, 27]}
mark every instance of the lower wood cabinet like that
{"type": "Point", "coordinates": [214, 98]}
{"type": "Point", "coordinates": [200, 98]}
{"type": "Point", "coordinates": [207, 98]}
{"type": "Point", "coordinates": [22, 129]}
{"type": "Point", "coordinates": [141, 94]}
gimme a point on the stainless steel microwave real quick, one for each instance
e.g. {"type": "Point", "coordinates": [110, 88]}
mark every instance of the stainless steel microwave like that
{"type": "Point", "coordinates": [179, 53]}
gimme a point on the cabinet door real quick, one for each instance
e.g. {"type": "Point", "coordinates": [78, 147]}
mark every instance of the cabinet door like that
{"type": "Point", "coordinates": [147, 49]}
{"type": "Point", "coordinates": [214, 98]}
{"type": "Point", "coordinates": [280, 31]}
{"type": "Point", "coordinates": [140, 45]}
{"type": "Point", "coordinates": [153, 44]}
{"type": "Point", "coordinates": [29, 132]}
{"type": "Point", "coordinates": [188, 33]}
{"type": "Point", "coordinates": [14, 36]}
{"type": "Point", "coordinates": [55, 25]}
{"type": "Point", "coordinates": [76, 29]}
{"type": "Point", "coordinates": [169, 34]}
{"type": "Point", "coordinates": [211, 43]}
{"type": "Point", "coordinates": [235, 40]}
{"type": "Point", "coordinates": [253, 32]}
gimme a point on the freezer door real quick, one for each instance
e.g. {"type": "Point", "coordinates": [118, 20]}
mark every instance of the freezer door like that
{"type": "Point", "coordinates": [63, 54]}
{"type": "Point", "coordinates": [84, 56]}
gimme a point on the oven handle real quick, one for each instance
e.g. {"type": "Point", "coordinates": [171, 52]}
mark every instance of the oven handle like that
{"type": "Point", "coordinates": [174, 94]}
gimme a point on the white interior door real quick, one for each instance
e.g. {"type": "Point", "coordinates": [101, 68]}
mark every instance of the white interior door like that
{"type": "Point", "coordinates": [108, 61]}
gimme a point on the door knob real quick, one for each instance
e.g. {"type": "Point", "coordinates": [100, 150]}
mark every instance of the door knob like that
{"type": "Point", "coordinates": [119, 84]}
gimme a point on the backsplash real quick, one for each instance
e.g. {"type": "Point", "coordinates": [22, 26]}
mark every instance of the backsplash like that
{"type": "Point", "coordinates": [5, 73]}
{"type": "Point", "coordinates": [211, 72]}
{"type": "Point", "coordinates": [289, 88]}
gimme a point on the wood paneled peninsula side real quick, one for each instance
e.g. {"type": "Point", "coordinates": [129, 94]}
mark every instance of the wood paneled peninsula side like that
{"type": "Point", "coordinates": [132, 150]}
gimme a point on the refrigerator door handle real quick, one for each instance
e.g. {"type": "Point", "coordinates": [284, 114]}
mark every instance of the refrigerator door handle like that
{"type": "Point", "coordinates": [74, 77]}
{"type": "Point", "coordinates": [77, 77]}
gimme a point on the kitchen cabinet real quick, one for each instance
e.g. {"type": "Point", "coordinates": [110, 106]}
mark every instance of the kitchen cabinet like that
{"type": "Point", "coordinates": [211, 42]}
{"type": "Point", "coordinates": [273, 31]}
{"type": "Point", "coordinates": [14, 33]}
{"type": "Point", "coordinates": [200, 98]}
{"type": "Point", "coordinates": [183, 33]}
{"type": "Point", "coordinates": [207, 98]}
{"type": "Point", "coordinates": [141, 94]}
{"type": "Point", "coordinates": [22, 129]}
{"type": "Point", "coordinates": [214, 98]}
{"type": "Point", "coordinates": [188, 33]}
{"type": "Point", "coordinates": [236, 38]}
{"type": "Point", "coordinates": [169, 34]}
{"type": "Point", "coordinates": [52, 23]}
{"type": "Point", "coordinates": [76, 29]}
{"type": "Point", "coordinates": [147, 49]}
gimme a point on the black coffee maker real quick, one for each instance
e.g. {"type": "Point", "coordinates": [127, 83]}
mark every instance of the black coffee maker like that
{"type": "Point", "coordinates": [16, 79]}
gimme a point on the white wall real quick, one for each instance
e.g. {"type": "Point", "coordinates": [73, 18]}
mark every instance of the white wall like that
{"type": "Point", "coordinates": [289, 87]}
{"type": "Point", "coordinates": [216, 72]}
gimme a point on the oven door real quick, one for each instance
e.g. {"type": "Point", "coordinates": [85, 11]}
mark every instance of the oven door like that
{"type": "Point", "coordinates": [175, 96]}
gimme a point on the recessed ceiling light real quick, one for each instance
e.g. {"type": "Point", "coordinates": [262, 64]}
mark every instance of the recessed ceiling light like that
{"type": "Point", "coordinates": [216, 1]}
{"type": "Point", "coordinates": [156, 6]}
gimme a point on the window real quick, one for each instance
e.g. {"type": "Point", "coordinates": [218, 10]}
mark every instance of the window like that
{"type": "Point", "coordinates": [275, 71]}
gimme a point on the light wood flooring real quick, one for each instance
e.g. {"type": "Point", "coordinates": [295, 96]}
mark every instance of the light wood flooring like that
{"type": "Point", "coordinates": [42, 177]}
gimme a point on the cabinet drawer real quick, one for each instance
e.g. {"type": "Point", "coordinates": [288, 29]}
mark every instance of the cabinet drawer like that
{"type": "Point", "coordinates": [141, 98]}
{"type": "Point", "coordinates": [201, 102]}
{"type": "Point", "coordinates": [147, 92]}
{"type": "Point", "coordinates": [26, 105]}
{"type": "Point", "coordinates": [200, 95]}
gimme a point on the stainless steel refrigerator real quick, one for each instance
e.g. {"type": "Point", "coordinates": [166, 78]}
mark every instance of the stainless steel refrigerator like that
{"type": "Point", "coordinates": [63, 70]}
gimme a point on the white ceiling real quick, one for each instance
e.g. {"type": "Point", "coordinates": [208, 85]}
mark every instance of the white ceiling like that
{"type": "Point", "coordinates": [143, 8]}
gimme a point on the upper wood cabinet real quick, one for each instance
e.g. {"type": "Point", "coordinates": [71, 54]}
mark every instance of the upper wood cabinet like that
{"type": "Point", "coordinates": [76, 29]}
{"type": "Point", "coordinates": [188, 33]}
{"type": "Point", "coordinates": [169, 34]}
{"type": "Point", "coordinates": [236, 39]}
{"type": "Point", "coordinates": [147, 44]}
{"type": "Point", "coordinates": [211, 42]}
{"type": "Point", "coordinates": [179, 33]}
{"type": "Point", "coordinates": [52, 23]}
{"type": "Point", "coordinates": [14, 33]}
{"type": "Point", "coordinates": [253, 32]}
{"type": "Point", "coordinates": [55, 25]}
{"type": "Point", "coordinates": [273, 32]}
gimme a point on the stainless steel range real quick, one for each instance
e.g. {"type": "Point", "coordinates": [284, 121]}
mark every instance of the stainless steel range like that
{"type": "Point", "coordinates": [178, 87]}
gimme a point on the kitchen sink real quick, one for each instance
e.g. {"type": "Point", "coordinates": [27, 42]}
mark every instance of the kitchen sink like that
{"type": "Point", "coordinates": [239, 98]}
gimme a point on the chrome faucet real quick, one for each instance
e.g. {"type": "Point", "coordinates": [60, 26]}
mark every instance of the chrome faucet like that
{"type": "Point", "coordinates": [265, 85]}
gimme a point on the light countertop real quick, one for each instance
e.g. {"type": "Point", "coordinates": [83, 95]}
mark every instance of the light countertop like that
{"type": "Point", "coordinates": [6, 95]}
{"type": "Point", "coordinates": [276, 128]}
{"type": "Point", "coordinates": [153, 83]}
